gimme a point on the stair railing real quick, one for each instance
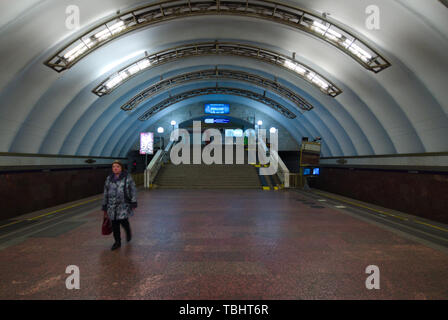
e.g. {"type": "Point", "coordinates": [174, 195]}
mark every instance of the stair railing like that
{"type": "Point", "coordinates": [282, 169]}
{"type": "Point", "coordinates": [153, 168]}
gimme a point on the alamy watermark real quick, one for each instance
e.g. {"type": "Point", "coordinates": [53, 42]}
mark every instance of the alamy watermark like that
{"type": "Point", "coordinates": [72, 20]}
{"type": "Point", "coordinates": [373, 19]}
{"type": "Point", "coordinates": [73, 281]}
{"type": "Point", "coordinates": [373, 281]}
{"type": "Point", "coordinates": [212, 153]}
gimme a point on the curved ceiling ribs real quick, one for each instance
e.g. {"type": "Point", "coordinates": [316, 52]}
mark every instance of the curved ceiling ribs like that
{"type": "Point", "coordinates": [217, 74]}
{"type": "Point", "coordinates": [375, 115]}
{"type": "Point", "coordinates": [217, 90]}
{"type": "Point", "coordinates": [132, 128]}
{"type": "Point", "coordinates": [167, 10]}
{"type": "Point", "coordinates": [112, 125]}
{"type": "Point", "coordinates": [308, 22]}
{"type": "Point", "coordinates": [216, 48]}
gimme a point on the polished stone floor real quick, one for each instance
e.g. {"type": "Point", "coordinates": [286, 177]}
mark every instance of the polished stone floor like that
{"type": "Point", "coordinates": [224, 244]}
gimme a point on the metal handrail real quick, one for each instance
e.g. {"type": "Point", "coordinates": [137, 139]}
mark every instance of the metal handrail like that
{"type": "Point", "coordinates": [154, 166]}
{"type": "Point", "coordinates": [282, 170]}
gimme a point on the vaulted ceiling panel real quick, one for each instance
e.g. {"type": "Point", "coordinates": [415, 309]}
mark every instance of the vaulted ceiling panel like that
{"type": "Point", "coordinates": [401, 109]}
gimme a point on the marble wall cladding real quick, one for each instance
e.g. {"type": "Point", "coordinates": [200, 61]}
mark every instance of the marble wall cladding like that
{"type": "Point", "coordinates": [24, 192]}
{"type": "Point", "coordinates": [420, 194]}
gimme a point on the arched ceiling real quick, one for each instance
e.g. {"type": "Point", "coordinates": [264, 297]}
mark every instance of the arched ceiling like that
{"type": "Point", "coordinates": [402, 109]}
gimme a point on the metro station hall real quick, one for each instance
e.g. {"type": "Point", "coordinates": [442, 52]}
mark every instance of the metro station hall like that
{"type": "Point", "coordinates": [223, 150]}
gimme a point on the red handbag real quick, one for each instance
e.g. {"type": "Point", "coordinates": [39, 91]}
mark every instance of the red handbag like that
{"type": "Point", "coordinates": [107, 226]}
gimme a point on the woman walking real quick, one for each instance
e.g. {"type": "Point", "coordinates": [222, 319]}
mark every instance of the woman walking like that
{"type": "Point", "coordinates": [119, 201]}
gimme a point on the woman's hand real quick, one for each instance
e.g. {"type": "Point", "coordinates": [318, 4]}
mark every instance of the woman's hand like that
{"type": "Point", "coordinates": [105, 213]}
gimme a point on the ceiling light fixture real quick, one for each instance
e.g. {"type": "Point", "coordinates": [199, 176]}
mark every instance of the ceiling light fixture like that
{"type": "Point", "coordinates": [217, 48]}
{"type": "Point", "coordinates": [168, 10]}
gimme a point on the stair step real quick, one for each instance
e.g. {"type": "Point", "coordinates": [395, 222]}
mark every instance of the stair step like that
{"type": "Point", "coordinates": [204, 176]}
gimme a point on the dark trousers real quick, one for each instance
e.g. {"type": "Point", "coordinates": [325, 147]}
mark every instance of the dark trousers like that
{"type": "Point", "coordinates": [116, 228]}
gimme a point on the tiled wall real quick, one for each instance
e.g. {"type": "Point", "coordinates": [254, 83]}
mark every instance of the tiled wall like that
{"type": "Point", "coordinates": [420, 194]}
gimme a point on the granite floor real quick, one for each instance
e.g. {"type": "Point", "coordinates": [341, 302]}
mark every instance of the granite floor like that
{"type": "Point", "coordinates": [224, 244]}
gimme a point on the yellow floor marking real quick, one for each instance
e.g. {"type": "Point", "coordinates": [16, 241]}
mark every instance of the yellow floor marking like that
{"type": "Point", "coordinates": [47, 214]}
{"type": "Point", "coordinates": [59, 210]}
{"type": "Point", "coordinates": [386, 213]}
{"type": "Point", "coordinates": [362, 206]}
{"type": "Point", "coordinates": [10, 224]}
{"type": "Point", "coordinates": [430, 225]}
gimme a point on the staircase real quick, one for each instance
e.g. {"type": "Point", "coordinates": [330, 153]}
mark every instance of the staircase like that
{"type": "Point", "coordinates": [203, 176]}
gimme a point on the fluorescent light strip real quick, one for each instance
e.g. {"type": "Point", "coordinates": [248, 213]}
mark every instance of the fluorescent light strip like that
{"type": "Point", "coordinates": [214, 75]}
{"type": "Point", "coordinates": [168, 10]}
{"type": "Point", "coordinates": [134, 69]}
{"type": "Point", "coordinates": [109, 31]}
{"type": "Point", "coordinates": [295, 67]}
{"type": "Point", "coordinates": [309, 74]}
{"type": "Point", "coordinates": [114, 80]}
{"type": "Point", "coordinates": [326, 31]}
{"type": "Point", "coordinates": [359, 52]}
{"type": "Point", "coordinates": [111, 83]}
{"type": "Point", "coordinates": [116, 28]}
{"type": "Point", "coordinates": [78, 50]}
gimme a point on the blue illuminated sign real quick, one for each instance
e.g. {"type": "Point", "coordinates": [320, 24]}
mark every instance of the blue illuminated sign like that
{"type": "Point", "coordinates": [213, 120]}
{"type": "Point", "coordinates": [311, 171]}
{"type": "Point", "coordinates": [222, 120]}
{"type": "Point", "coordinates": [217, 108]}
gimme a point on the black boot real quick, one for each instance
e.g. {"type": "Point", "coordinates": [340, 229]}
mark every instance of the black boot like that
{"type": "Point", "coordinates": [127, 228]}
{"type": "Point", "coordinates": [116, 230]}
{"type": "Point", "coordinates": [115, 246]}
